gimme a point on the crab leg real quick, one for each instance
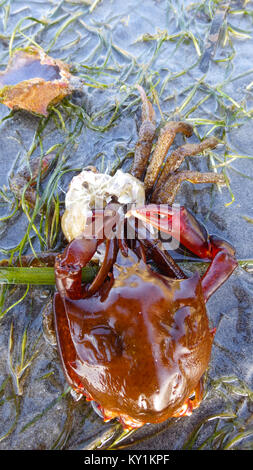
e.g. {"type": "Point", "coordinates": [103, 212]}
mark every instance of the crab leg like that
{"type": "Point", "coordinates": [109, 259]}
{"type": "Point", "coordinates": [165, 140]}
{"type": "Point", "coordinates": [153, 250]}
{"type": "Point", "coordinates": [146, 136]}
{"type": "Point", "coordinates": [177, 157]}
{"type": "Point", "coordinates": [193, 236]}
{"type": "Point", "coordinates": [168, 191]}
{"type": "Point", "coordinates": [167, 265]}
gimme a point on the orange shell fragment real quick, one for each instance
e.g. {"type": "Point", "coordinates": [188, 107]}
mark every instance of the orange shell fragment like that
{"type": "Point", "coordinates": [33, 81]}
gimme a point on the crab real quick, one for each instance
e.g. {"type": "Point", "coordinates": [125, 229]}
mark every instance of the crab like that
{"type": "Point", "coordinates": [136, 341]}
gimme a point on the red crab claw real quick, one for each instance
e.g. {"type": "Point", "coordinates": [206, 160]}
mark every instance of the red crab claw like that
{"type": "Point", "coordinates": [182, 225]}
{"type": "Point", "coordinates": [68, 266]}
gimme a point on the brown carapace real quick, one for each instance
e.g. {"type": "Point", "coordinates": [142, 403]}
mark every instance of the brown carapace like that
{"type": "Point", "coordinates": [134, 340]}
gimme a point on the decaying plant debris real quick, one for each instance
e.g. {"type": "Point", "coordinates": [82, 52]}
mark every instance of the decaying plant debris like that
{"type": "Point", "coordinates": [33, 81]}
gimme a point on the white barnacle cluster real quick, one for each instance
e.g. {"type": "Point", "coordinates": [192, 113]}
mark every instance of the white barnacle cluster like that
{"type": "Point", "coordinates": [90, 190]}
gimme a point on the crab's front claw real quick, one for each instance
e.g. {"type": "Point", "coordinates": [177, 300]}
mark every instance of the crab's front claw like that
{"type": "Point", "coordinates": [177, 222]}
{"type": "Point", "coordinates": [183, 226]}
{"type": "Point", "coordinates": [68, 266]}
{"type": "Point", "coordinates": [222, 265]}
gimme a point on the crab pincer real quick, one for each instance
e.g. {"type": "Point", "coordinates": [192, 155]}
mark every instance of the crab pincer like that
{"type": "Point", "coordinates": [195, 238]}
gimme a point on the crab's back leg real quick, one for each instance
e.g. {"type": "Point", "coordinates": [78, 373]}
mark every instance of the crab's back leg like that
{"type": "Point", "coordinates": [168, 191]}
{"type": "Point", "coordinates": [177, 157]}
{"type": "Point", "coordinates": [193, 236]}
{"type": "Point", "coordinates": [146, 136]}
{"type": "Point", "coordinates": [165, 140]}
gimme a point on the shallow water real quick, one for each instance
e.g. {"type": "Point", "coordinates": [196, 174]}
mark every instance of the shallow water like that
{"type": "Point", "coordinates": [112, 48]}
